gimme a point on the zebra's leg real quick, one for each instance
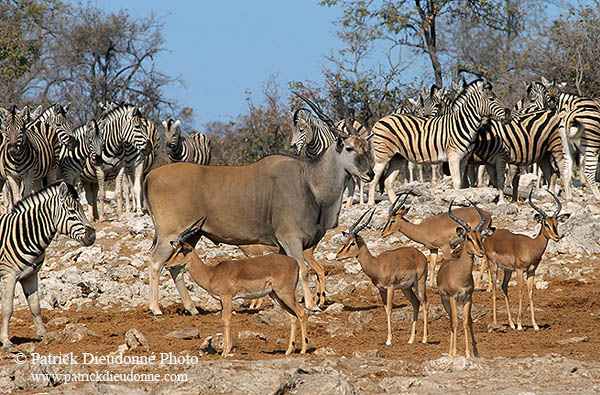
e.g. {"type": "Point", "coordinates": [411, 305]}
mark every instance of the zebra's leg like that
{"type": "Point", "coordinates": [435, 170]}
{"type": "Point", "coordinates": [456, 169]}
{"type": "Point", "coordinates": [101, 193]}
{"type": "Point", "coordinates": [138, 178]}
{"type": "Point", "coordinates": [420, 173]}
{"type": "Point", "coordinates": [14, 190]}
{"type": "Point", "coordinates": [30, 290]}
{"type": "Point", "coordinates": [351, 185]}
{"type": "Point", "coordinates": [591, 163]}
{"type": "Point", "coordinates": [91, 195]}
{"type": "Point", "coordinates": [515, 184]}
{"type": "Point", "coordinates": [119, 190]}
{"type": "Point", "coordinates": [498, 173]}
{"type": "Point", "coordinates": [378, 169]}
{"type": "Point", "coordinates": [9, 281]}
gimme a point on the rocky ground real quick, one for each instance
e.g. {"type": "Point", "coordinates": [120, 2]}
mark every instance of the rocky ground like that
{"type": "Point", "coordinates": [94, 305]}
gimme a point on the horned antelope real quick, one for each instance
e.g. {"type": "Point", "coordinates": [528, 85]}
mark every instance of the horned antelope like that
{"type": "Point", "coordinates": [279, 200]}
{"type": "Point", "coordinates": [521, 253]}
{"type": "Point", "coordinates": [252, 250]}
{"type": "Point", "coordinates": [435, 232]}
{"type": "Point", "coordinates": [404, 268]}
{"type": "Point", "coordinates": [275, 275]}
{"type": "Point", "coordinates": [455, 277]}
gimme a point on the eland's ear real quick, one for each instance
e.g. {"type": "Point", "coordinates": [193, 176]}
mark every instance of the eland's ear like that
{"type": "Point", "coordinates": [563, 217]}
{"type": "Point", "coordinates": [339, 145]}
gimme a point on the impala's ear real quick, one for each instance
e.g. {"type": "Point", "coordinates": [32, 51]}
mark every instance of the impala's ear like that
{"type": "Point", "coordinates": [563, 217]}
{"type": "Point", "coordinates": [538, 217]}
{"type": "Point", "coordinates": [460, 231]}
{"type": "Point", "coordinates": [456, 242]}
{"type": "Point", "coordinates": [488, 232]}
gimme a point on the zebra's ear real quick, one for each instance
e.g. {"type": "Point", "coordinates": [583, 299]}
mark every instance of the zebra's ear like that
{"type": "Point", "coordinates": [177, 123]}
{"type": "Point", "coordinates": [545, 82]}
{"type": "Point", "coordinates": [36, 113]}
{"type": "Point", "coordinates": [164, 123]}
{"type": "Point", "coordinates": [63, 191]}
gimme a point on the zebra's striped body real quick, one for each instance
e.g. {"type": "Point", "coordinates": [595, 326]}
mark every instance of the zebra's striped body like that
{"type": "Point", "coordinates": [529, 138]}
{"type": "Point", "coordinates": [32, 150]}
{"type": "Point", "coordinates": [132, 173]}
{"type": "Point", "coordinates": [435, 140]}
{"type": "Point", "coordinates": [88, 145]}
{"type": "Point", "coordinates": [579, 128]}
{"type": "Point", "coordinates": [25, 233]}
{"type": "Point", "coordinates": [194, 148]}
{"type": "Point", "coordinates": [124, 136]}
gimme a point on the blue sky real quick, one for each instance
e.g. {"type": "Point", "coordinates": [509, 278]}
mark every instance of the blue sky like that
{"type": "Point", "coordinates": [223, 48]}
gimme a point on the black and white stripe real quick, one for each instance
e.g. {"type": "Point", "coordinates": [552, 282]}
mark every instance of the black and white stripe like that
{"type": "Point", "coordinates": [124, 136]}
{"type": "Point", "coordinates": [25, 233]}
{"type": "Point", "coordinates": [194, 148]}
{"type": "Point", "coordinates": [435, 140]}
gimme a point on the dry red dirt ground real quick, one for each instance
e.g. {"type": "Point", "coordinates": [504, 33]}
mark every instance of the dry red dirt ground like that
{"type": "Point", "coordinates": [566, 309]}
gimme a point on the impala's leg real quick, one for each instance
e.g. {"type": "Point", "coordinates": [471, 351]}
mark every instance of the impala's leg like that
{"type": "Point", "coordinates": [378, 169]}
{"type": "Point", "coordinates": [226, 303]}
{"type": "Point", "coordinates": [433, 253]}
{"type": "Point", "coordinates": [422, 292]}
{"type": "Point", "coordinates": [521, 288]}
{"type": "Point", "coordinates": [480, 274]}
{"type": "Point", "coordinates": [468, 327]}
{"type": "Point", "coordinates": [30, 290]}
{"type": "Point", "coordinates": [454, 328]}
{"type": "Point", "coordinates": [446, 304]}
{"type": "Point", "coordinates": [414, 301]}
{"type": "Point", "coordinates": [309, 257]}
{"type": "Point", "coordinates": [530, 289]}
{"type": "Point", "coordinates": [8, 294]}
{"type": "Point", "coordinates": [387, 297]}
{"type": "Point", "coordinates": [507, 274]}
{"type": "Point", "coordinates": [286, 298]}
{"type": "Point", "coordinates": [492, 273]}
{"type": "Point", "coordinates": [293, 248]}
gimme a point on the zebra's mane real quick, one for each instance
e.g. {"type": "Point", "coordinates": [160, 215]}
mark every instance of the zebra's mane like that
{"type": "Point", "coordinates": [116, 112]}
{"type": "Point", "coordinates": [43, 194]}
{"type": "Point", "coordinates": [299, 111]}
{"type": "Point", "coordinates": [463, 95]}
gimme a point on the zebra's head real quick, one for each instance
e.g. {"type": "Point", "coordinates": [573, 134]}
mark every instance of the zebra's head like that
{"type": "Point", "coordinates": [139, 136]}
{"type": "Point", "coordinates": [302, 130]}
{"type": "Point", "coordinates": [481, 96]}
{"type": "Point", "coordinates": [535, 99]}
{"type": "Point", "coordinates": [172, 134]}
{"type": "Point", "coordinates": [94, 142]}
{"type": "Point", "coordinates": [69, 218]}
{"type": "Point", "coordinates": [13, 128]}
{"type": "Point", "coordinates": [552, 92]}
{"type": "Point", "coordinates": [64, 128]}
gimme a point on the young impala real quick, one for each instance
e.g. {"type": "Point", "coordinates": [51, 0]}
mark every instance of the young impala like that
{"type": "Point", "coordinates": [404, 268]}
{"type": "Point", "coordinates": [275, 275]}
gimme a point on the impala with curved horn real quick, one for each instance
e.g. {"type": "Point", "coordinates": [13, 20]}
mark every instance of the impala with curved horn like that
{"type": "Point", "coordinates": [521, 253]}
{"type": "Point", "coordinates": [404, 268]}
{"type": "Point", "coordinates": [455, 277]}
{"type": "Point", "coordinates": [435, 232]}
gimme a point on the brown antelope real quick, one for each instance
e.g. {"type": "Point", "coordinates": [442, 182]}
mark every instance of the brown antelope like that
{"type": "Point", "coordinates": [279, 200]}
{"type": "Point", "coordinates": [515, 252]}
{"type": "Point", "coordinates": [275, 275]}
{"type": "Point", "coordinates": [435, 232]}
{"type": "Point", "coordinates": [455, 277]}
{"type": "Point", "coordinates": [252, 250]}
{"type": "Point", "coordinates": [404, 268]}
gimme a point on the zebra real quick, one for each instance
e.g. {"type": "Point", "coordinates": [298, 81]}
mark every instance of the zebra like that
{"type": "Point", "coordinates": [137, 166]}
{"type": "Point", "coordinates": [194, 148]}
{"type": "Point", "coordinates": [124, 136]}
{"type": "Point", "coordinates": [532, 137]}
{"type": "Point", "coordinates": [434, 140]}
{"type": "Point", "coordinates": [25, 233]}
{"type": "Point", "coordinates": [311, 138]}
{"type": "Point", "coordinates": [579, 128]}
{"type": "Point", "coordinates": [88, 144]}
{"type": "Point", "coordinates": [32, 148]}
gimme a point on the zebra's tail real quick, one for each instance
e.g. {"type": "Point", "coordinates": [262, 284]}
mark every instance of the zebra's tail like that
{"type": "Point", "coordinates": [149, 208]}
{"type": "Point", "coordinates": [573, 126]}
